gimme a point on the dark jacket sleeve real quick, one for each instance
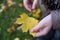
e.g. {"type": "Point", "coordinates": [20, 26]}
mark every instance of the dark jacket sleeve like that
{"type": "Point", "coordinates": [56, 19]}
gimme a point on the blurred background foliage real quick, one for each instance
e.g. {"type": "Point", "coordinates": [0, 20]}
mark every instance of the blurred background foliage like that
{"type": "Point", "coordinates": [9, 11]}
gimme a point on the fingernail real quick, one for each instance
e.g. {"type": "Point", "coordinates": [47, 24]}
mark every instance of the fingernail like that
{"type": "Point", "coordinates": [33, 7]}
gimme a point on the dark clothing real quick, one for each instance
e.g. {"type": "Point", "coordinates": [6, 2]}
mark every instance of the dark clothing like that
{"type": "Point", "coordinates": [55, 15]}
{"type": "Point", "coordinates": [54, 34]}
{"type": "Point", "coordinates": [56, 19]}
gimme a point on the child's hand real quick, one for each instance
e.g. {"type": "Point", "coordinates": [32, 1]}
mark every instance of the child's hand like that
{"type": "Point", "coordinates": [29, 5]}
{"type": "Point", "coordinates": [43, 27]}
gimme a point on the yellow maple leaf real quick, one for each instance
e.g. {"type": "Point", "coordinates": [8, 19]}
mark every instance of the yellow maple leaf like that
{"type": "Point", "coordinates": [9, 30]}
{"type": "Point", "coordinates": [27, 39]}
{"type": "Point", "coordinates": [3, 7]}
{"type": "Point", "coordinates": [36, 13]}
{"type": "Point", "coordinates": [22, 18]}
{"type": "Point", "coordinates": [24, 27]}
{"type": "Point", "coordinates": [33, 33]}
{"type": "Point", "coordinates": [16, 38]}
{"type": "Point", "coordinates": [10, 3]}
{"type": "Point", "coordinates": [28, 23]}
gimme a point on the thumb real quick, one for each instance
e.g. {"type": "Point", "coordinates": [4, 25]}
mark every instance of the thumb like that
{"type": "Point", "coordinates": [37, 27]}
{"type": "Point", "coordinates": [34, 4]}
{"type": "Point", "coordinates": [43, 32]}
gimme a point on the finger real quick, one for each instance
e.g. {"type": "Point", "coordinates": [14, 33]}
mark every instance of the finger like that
{"type": "Point", "coordinates": [40, 26]}
{"type": "Point", "coordinates": [36, 28]}
{"type": "Point", "coordinates": [28, 7]}
{"type": "Point", "coordinates": [34, 4]}
{"type": "Point", "coordinates": [43, 32]}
